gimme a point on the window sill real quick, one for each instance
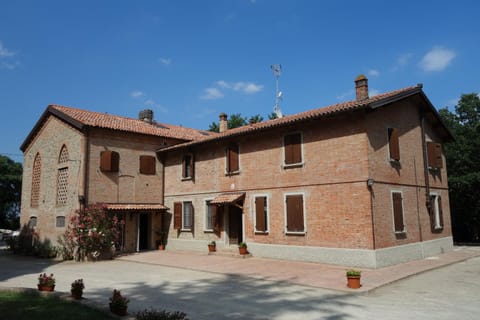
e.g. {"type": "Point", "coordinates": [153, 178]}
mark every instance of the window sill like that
{"type": "Point", "coordinates": [208, 231]}
{"type": "Point", "coordinates": [185, 230]}
{"type": "Point", "coordinates": [233, 173]}
{"type": "Point", "coordinates": [394, 161]}
{"type": "Point", "coordinates": [262, 232]}
{"type": "Point", "coordinates": [293, 165]}
{"type": "Point", "coordinates": [295, 233]}
{"type": "Point", "coordinates": [187, 179]}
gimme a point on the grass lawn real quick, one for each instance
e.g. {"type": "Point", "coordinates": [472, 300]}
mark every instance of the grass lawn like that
{"type": "Point", "coordinates": [32, 306]}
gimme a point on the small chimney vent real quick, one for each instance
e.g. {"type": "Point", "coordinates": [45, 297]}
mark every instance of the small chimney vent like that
{"type": "Point", "coordinates": [361, 87]}
{"type": "Point", "coordinates": [146, 115]}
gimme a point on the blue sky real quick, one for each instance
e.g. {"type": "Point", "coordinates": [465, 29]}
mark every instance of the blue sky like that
{"type": "Point", "coordinates": [191, 60]}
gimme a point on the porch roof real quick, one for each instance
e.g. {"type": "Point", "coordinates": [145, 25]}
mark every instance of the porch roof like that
{"type": "Point", "coordinates": [135, 206]}
{"type": "Point", "coordinates": [228, 198]}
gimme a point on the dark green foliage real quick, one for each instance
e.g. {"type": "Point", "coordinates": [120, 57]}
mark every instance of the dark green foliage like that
{"type": "Point", "coordinates": [152, 314]}
{"type": "Point", "coordinates": [29, 243]}
{"type": "Point", "coordinates": [463, 163]}
{"type": "Point", "coordinates": [10, 193]}
{"type": "Point", "coordinates": [236, 120]}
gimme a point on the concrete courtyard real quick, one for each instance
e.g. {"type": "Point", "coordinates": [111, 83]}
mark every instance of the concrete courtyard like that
{"type": "Point", "coordinates": [447, 292]}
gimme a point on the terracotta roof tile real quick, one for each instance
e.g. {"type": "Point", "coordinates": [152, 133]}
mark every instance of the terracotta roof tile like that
{"type": "Point", "coordinates": [227, 198]}
{"type": "Point", "coordinates": [302, 116]}
{"type": "Point", "coordinates": [108, 121]}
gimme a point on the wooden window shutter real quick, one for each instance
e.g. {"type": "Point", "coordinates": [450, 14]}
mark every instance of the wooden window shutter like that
{"type": "Point", "coordinates": [184, 166]}
{"type": "Point", "coordinates": [260, 217]}
{"type": "Point", "coordinates": [213, 217]}
{"type": "Point", "coordinates": [398, 212]}
{"type": "Point", "coordinates": [109, 161]}
{"type": "Point", "coordinates": [393, 144]}
{"type": "Point", "coordinates": [147, 165]}
{"type": "Point", "coordinates": [431, 213]}
{"type": "Point", "coordinates": [293, 148]}
{"type": "Point", "coordinates": [218, 221]}
{"type": "Point", "coordinates": [434, 151]}
{"type": "Point", "coordinates": [295, 213]}
{"type": "Point", "coordinates": [232, 154]}
{"type": "Point", "coordinates": [177, 215]}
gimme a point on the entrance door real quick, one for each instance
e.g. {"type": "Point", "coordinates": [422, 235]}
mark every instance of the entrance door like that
{"type": "Point", "coordinates": [235, 231]}
{"type": "Point", "coordinates": [143, 227]}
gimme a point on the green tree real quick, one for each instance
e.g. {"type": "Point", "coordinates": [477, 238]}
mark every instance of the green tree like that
{"type": "Point", "coordinates": [272, 116]}
{"type": "Point", "coordinates": [255, 119]}
{"type": "Point", "coordinates": [10, 193]}
{"type": "Point", "coordinates": [464, 167]}
{"type": "Point", "coordinates": [234, 121]}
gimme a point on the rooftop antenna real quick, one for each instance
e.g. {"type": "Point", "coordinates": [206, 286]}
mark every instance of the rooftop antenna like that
{"type": "Point", "coordinates": [277, 69]}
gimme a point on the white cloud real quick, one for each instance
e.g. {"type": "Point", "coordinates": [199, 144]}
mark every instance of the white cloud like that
{"type": "Point", "coordinates": [9, 66]}
{"type": "Point", "coordinates": [149, 102]}
{"type": "Point", "coordinates": [373, 73]}
{"type": "Point", "coordinates": [245, 87]}
{"type": "Point", "coordinates": [136, 94]}
{"type": "Point", "coordinates": [437, 59]}
{"type": "Point", "coordinates": [402, 60]}
{"type": "Point", "coordinates": [4, 52]}
{"type": "Point", "coordinates": [212, 94]}
{"type": "Point", "coordinates": [165, 61]}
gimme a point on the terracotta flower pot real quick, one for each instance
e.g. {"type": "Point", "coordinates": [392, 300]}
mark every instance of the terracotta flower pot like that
{"type": "Point", "coordinates": [77, 294]}
{"type": "Point", "coordinates": [353, 282]}
{"type": "Point", "coordinates": [46, 288]}
{"type": "Point", "coordinates": [161, 247]}
{"type": "Point", "coordinates": [242, 250]}
{"type": "Point", "coordinates": [212, 248]}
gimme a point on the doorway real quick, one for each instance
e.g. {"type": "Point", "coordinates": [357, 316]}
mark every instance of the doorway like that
{"type": "Point", "coordinates": [143, 231]}
{"type": "Point", "coordinates": [235, 227]}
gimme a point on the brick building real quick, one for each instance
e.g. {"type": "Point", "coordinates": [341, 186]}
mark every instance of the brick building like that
{"type": "Point", "coordinates": [357, 183]}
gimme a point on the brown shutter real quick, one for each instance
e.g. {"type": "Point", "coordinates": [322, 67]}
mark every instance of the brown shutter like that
{"type": "Point", "coordinates": [440, 211]}
{"type": "Point", "coordinates": [147, 165]}
{"type": "Point", "coordinates": [293, 148]}
{"type": "Point", "coordinates": [393, 144]}
{"type": "Point", "coordinates": [434, 151]}
{"type": "Point", "coordinates": [295, 213]}
{"type": "Point", "coordinates": [218, 222]}
{"type": "Point", "coordinates": [260, 223]}
{"type": "Point", "coordinates": [177, 215]}
{"type": "Point", "coordinates": [192, 166]}
{"type": "Point", "coordinates": [398, 211]}
{"type": "Point", "coordinates": [232, 154]}
{"type": "Point", "coordinates": [431, 213]}
{"type": "Point", "coordinates": [184, 166]}
{"type": "Point", "coordinates": [213, 209]}
{"type": "Point", "coordinates": [109, 161]}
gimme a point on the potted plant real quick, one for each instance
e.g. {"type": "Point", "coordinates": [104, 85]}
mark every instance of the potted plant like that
{"type": "Point", "coordinates": [118, 303]}
{"type": "Point", "coordinates": [45, 282]}
{"type": "Point", "coordinates": [212, 246]}
{"type": "Point", "coordinates": [353, 278]}
{"type": "Point", "coordinates": [161, 242]}
{"type": "Point", "coordinates": [77, 289]}
{"type": "Point", "coordinates": [242, 248]}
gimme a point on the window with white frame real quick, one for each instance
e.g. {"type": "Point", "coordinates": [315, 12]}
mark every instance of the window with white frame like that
{"type": "Point", "coordinates": [397, 205]}
{"type": "Point", "coordinates": [294, 214]}
{"type": "Point", "coordinates": [436, 212]}
{"type": "Point", "coordinates": [261, 214]}
{"type": "Point", "coordinates": [187, 218]}
{"type": "Point", "coordinates": [209, 216]}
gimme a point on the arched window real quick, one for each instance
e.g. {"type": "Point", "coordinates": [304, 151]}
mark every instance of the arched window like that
{"type": "Point", "coordinates": [62, 177]}
{"type": "Point", "coordinates": [35, 191]}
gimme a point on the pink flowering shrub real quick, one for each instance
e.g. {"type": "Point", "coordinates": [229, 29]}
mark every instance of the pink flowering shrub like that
{"type": "Point", "coordinates": [92, 231]}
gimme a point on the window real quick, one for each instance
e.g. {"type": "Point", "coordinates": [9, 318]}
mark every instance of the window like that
{"type": "Point", "coordinates": [393, 144]}
{"type": "Point", "coordinates": [210, 215]}
{"type": "Point", "coordinates": [183, 216]}
{"type": "Point", "coordinates": [35, 192]}
{"type": "Point", "coordinates": [232, 158]}
{"type": "Point", "coordinates": [397, 203]}
{"type": "Point", "coordinates": [436, 213]}
{"type": "Point", "coordinates": [147, 165]}
{"type": "Point", "coordinates": [295, 219]}
{"type": "Point", "coordinates": [261, 214]}
{"type": "Point", "coordinates": [434, 154]}
{"type": "Point", "coordinates": [293, 149]}
{"type": "Point", "coordinates": [187, 167]}
{"type": "Point", "coordinates": [62, 177]}
{"type": "Point", "coordinates": [109, 161]}
{"type": "Point", "coordinates": [32, 222]}
{"type": "Point", "coordinates": [60, 222]}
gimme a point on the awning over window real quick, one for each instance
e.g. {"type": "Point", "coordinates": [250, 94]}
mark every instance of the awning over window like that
{"type": "Point", "coordinates": [135, 206]}
{"type": "Point", "coordinates": [228, 198]}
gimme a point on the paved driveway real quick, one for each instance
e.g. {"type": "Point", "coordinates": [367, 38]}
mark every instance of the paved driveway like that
{"type": "Point", "coordinates": [447, 293]}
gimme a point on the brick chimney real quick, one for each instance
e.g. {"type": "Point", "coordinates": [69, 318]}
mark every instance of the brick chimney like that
{"type": "Point", "coordinates": [223, 124]}
{"type": "Point", "coordinates": [146, 115]}
{"type": "Point", "coordinates": [361, 87]}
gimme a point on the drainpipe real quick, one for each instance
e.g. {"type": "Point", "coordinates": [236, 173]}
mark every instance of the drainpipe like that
{"type": "Point", "coordinates": [86, 163]}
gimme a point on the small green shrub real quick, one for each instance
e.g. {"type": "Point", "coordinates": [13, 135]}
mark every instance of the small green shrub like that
{"type": "Point", "coordinates": [353, 273]}
{"type": "Point", "coordinates": [152, 314]}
